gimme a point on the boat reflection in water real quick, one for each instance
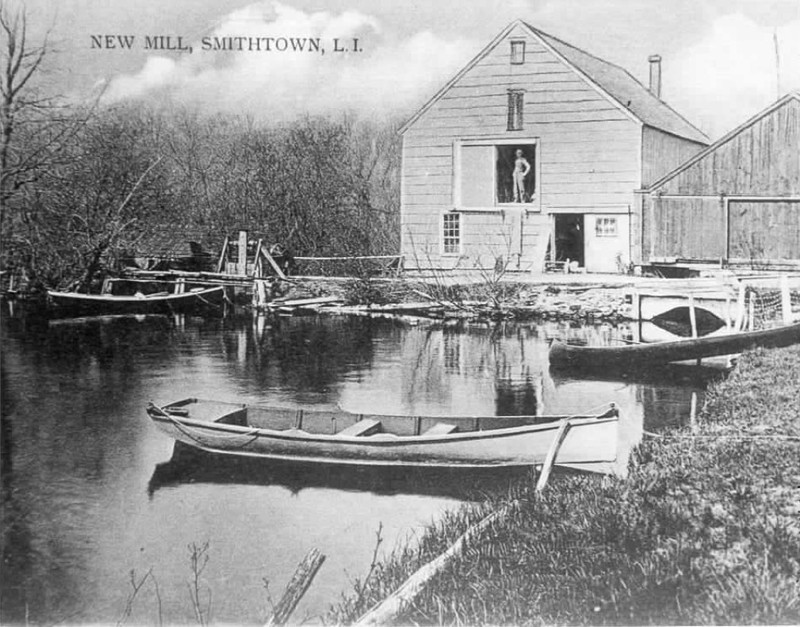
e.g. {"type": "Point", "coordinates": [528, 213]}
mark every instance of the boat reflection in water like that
{"type": "Point", "coordinates": [189, 466]}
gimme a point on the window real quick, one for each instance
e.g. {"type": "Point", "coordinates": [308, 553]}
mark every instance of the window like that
{"type": "Point", "coordinates": [605, 227]}
{"type": "Point", "coordinates": [516, 103]}
{"type": "Point", "coordinates": [517, 52]}
{"type": "Point", "coordinates": [494, 173]}
{"type": "Point", "coordinates": [451, 233]}
{"type": "Point", "coordinates": [515, 174]}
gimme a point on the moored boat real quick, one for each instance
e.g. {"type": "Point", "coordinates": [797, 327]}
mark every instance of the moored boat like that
{"type": "Point", "coordinates": [633, 355]}
{"type": "Point", "coordinates": [189, 301]}
{"type": "Point", "coordinates": [385, 440]}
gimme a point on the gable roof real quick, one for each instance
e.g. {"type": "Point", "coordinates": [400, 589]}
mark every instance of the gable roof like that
{"type": "Point", "coordinates": [726, 138]}
{"type": "Point", "coordinates": [612, 81]}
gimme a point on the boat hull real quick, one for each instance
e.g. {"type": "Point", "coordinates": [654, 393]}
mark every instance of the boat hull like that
{"type": "Point", "coordinates": [589, 440]}
{"type": "Point", "coordinates": [634, 355]}
{"type": "Point", "coordinates": [72, 304]}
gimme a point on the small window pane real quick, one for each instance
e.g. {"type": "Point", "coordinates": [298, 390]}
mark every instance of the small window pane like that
{"type": "Point", "coordinates": [605, 227]}
{"type": "Point", "coordinates": [517, 52]}
{"type": "Point", "coordinates": [451, 234]}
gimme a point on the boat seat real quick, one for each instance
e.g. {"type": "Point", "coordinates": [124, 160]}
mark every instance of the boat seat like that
{"type": "Point", "coordinates": [367, 426]}
{"type": "Point", "coordinates": [441, 428]}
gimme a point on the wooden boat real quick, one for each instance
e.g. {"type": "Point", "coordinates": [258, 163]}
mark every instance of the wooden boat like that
{"type": "Point", "coordinates": [630, 355]}
{"type": "Point", "coordinates": [384, 440]}
{"type": "Point", "coordinates": [190, 301]}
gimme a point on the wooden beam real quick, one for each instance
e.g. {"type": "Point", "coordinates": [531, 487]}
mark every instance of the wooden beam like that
{"type": "Point", "coordinates": [273, 263]}
{"type": "Point", "coordinates": [393, 605]}
{"type": "Point", "coordinates": [296, 588]}
{"type": "Point", "coordinates": [552, 454]}
{"type": "Point", "coordinates": [223, 255]}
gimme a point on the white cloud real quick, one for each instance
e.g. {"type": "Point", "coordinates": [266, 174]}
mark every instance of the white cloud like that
{"type": "Point", "coordinates": [731, 73]}
{"type": "Point", "coordinates": [390, 74]}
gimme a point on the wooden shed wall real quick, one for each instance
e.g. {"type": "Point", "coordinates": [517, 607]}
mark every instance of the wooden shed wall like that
{"type": "Point", "coordinates": [739, 202]}
{"type": "Point", "coordinates": [663, 152]}
{"type": "Point", "coordinates": [684, 228]}
{"type": "Point", "coordinates": [763, 159]}
{"type": "Point", "coordinates": [589, 151]}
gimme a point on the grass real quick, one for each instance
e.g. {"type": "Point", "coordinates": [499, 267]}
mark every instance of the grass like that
{"type": "Point", "coordinates": [704, 530]}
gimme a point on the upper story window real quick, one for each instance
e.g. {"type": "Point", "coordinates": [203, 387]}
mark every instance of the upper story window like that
{"type": "Point", "coordinates": [495, 173]}
{"type": "Point", "coordinates": [516, 105]}
{"type": "Point", "coordinates": [517, 52]}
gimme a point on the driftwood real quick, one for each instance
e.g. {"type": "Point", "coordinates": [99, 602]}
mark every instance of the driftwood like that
{"type": "Point", "coordinates": [296, 588]}
{"type": "Point", "coordinates": [305, 302]}
{"type": "Point", "coordinates": [393, 605]}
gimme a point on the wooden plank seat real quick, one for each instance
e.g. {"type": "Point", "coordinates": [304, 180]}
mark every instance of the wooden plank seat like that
{"type": "Point", "coordinates": [367, 426]}
{"type": "Point", "coordinates": [441, 428]}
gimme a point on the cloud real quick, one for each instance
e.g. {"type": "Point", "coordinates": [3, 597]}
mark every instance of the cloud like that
{"type": "Point", "coordinates": [388, 75]}
{"type": "Point", "coordinates": [731, 74]}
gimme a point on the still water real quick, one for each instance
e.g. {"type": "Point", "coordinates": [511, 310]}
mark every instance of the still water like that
{"type": "Point", "coordinates": [91, 490]}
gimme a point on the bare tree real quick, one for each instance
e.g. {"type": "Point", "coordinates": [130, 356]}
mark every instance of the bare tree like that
{"type": "Point", "coordinates": [35, 126]}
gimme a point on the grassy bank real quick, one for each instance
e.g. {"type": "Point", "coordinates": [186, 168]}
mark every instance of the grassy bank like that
{"type": "Point", "coordinates": [705, 529]}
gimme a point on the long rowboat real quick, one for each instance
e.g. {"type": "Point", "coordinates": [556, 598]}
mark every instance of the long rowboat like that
{"type": "Point", "coordinates": [568, 355]}
{"type": "Point", "coordinates": [382, 440]}
{"type": "Point", "coordinates": [77, 304]}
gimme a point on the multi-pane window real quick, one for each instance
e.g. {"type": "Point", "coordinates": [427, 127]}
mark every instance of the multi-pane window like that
{"type": "Point", "coordinates": [516, 104]}
{"type": "Point", "coordinates": [517, 52]}
{"type": "Point", "coordinates": [605, 227]}
{"type": "Point", "coordinates": [451, 233]}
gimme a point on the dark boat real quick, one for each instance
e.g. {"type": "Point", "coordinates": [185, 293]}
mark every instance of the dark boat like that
{"type": "Point", "coordinates": [337, 437]}
{"type": "Point", "coordinates": [71, 304]}
{"type": "Point", "coordinates": [564, 355]}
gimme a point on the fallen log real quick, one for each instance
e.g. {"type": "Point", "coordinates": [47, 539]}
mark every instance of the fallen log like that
{"type": "Point", "coordinates": [304, 302]}
{"type": "Point", "coordinates": [393, 605]}
{"type": "Point", "coordinates": [296, 588]}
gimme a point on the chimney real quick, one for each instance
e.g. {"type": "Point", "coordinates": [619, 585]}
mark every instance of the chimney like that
{"type": "Point", "coordinates": [655, 74]}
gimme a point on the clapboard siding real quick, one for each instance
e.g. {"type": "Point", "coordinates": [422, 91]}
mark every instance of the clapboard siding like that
{"type": "Point", "coordinates": [588, 153]}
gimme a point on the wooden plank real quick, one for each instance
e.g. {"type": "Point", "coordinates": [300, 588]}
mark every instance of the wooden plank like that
{"type": "Point", "coordinates": [364, 427]}
{"type": "Point", "coordinates": [304, 302]}
{"type": "Point", "coordinates": [273, 263]}
{"type": "Point", "coordinates": [391, 607]}
{"type": "Point", "coordinates": [552, 454]}
{"type": "Point", "coordinates": [441, 428]}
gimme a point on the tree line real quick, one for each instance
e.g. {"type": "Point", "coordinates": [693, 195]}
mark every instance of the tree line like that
{"type": "Point", "coordinates": [81, 185]}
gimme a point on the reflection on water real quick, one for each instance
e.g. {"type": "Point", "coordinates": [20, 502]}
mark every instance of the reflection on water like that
{"type": "Point", "coordinates": [91, 489]}
{"type": "Point", "coordinates": [190, 466]}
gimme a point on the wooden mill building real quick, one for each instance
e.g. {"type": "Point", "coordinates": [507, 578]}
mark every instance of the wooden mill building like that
{"type": "Point", "coordinates": [736, 202]}
{"type": "Point", "coordinates": [585, 133]}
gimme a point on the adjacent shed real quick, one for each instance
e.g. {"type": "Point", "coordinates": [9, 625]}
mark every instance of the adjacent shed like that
{"type": "Point", "coordinates": [582, 135]}
{"type": "Point", "coordinates": [737, 202]}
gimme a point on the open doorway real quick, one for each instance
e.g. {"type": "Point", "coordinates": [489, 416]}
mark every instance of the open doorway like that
{"type": "Point", "coordinates": [569, 238]}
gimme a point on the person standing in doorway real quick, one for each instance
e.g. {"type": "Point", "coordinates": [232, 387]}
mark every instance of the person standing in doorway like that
{"type": "Point", "coordinates": [521, 169]}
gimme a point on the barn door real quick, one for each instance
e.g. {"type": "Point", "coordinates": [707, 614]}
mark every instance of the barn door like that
{"type": "Point", "coordinates": [764, 230]}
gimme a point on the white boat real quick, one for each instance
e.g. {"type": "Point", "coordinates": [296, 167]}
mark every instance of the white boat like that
{"type": "Point", "coordinates": [385, 440]}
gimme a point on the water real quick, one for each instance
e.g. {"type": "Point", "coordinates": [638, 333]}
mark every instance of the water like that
{"type": "Point", "coordinates": [92, 490]}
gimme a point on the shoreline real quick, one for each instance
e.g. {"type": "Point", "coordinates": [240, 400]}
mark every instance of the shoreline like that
{"type": "Point", "coordinates": [704, 530]}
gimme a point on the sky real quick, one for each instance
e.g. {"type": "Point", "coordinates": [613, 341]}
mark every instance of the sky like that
{"type": "Point", "coordinates": [723, 60]}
